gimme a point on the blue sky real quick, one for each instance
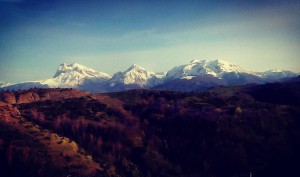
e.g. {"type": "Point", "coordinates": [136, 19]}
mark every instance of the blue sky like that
{"type": "Point", "coordinates": [109, 36]}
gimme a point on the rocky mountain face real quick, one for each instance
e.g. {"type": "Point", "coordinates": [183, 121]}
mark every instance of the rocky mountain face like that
{"type": "Point", "coordinates": [198, 75]}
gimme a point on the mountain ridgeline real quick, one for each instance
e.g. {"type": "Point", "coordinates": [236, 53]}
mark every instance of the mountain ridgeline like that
{"type": "Point", "coordinates": [242, 131]}
{"type": "Point", "coordinates": [198, 75]}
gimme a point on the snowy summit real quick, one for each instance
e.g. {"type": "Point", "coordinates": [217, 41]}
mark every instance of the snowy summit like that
{"type": "Point", "coordinates": [215, 68]}
{"type": "Point", "coordinates": [200, 73]}
{"type": "Point", "coordinates": [134, 75]}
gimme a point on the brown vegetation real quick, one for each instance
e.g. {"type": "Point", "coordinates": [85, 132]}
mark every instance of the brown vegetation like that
{"type": "Point", "coordinates": [224, 132]}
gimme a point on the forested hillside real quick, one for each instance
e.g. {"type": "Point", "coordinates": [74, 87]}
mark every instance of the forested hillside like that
{"type": "Point", "coordinates": [227, 131]}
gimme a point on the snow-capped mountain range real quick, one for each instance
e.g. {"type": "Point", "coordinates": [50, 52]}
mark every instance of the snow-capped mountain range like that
{"type": "Point", "coordinates": [216, 68]}
{"type": "Point", "coordinates": [197, 75]}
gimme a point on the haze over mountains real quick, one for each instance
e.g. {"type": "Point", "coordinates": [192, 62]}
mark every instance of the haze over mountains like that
{"type": "Point", "coordinates": [198, 75]}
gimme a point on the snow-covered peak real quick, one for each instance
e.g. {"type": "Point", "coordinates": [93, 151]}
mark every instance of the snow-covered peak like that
{"type": "Point", "coordinates": [195, 61]}
{"type": "Point", "coordinates": [133, 75]}
{"type": "Point", "coordinates": [221, 66]}
{"type": "Point", "coordinates": [276, 71]}
{"type": "Point", "coordinates": [69, 67]}
{"type": "Point", "coordinates": [134, 67]}
{"type": "Point", "coordinates": [278, 74]}
{"type": "Point", "coordinates": [78, 69]}
{"type": "Point", "coordinates": [215, 68]}
{"type": "Point", "coordinates": [72, 75]}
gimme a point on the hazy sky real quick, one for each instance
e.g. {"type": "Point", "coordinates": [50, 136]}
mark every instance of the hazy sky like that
{"type": "Point", "coordinates": [38, 35]}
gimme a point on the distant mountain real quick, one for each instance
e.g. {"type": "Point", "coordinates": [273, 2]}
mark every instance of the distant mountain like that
{"type": "Point", "coordinates": [198, 75]}
{"type": "Point", "coordinates": [294, 79]}
{"type": "Point", "coordinates": [4, 84]}
{"type": "Point", "coordinates": [191, 83]}
{"type": "Point", "coordinates": [74, 75]}
{"type": "Point", "coordinates": [134, 77]}
{"type": "Point", "coordinates": [275, 74]}
{"type": "Point", "coordinates": [215, 68]}
{"type": "Point", "coordinates": [68, 76]}
{"type": "Point", "coordinates": [25, 86]}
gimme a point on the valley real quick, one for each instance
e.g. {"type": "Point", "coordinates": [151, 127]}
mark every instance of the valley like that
{"type": "Point", "coordinates": [226, 131]}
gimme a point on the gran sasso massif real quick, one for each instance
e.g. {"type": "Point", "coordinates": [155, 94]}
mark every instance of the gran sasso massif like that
{"type": "Point", "coordinates": [198, 75]}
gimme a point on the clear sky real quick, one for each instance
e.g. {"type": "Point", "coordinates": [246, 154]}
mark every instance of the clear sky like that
{"type": "Point", "coordinates": [109, 36]}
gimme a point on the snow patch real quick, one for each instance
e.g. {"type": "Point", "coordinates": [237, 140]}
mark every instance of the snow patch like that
{"type": "Point", "coordinates": [187, 77]}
